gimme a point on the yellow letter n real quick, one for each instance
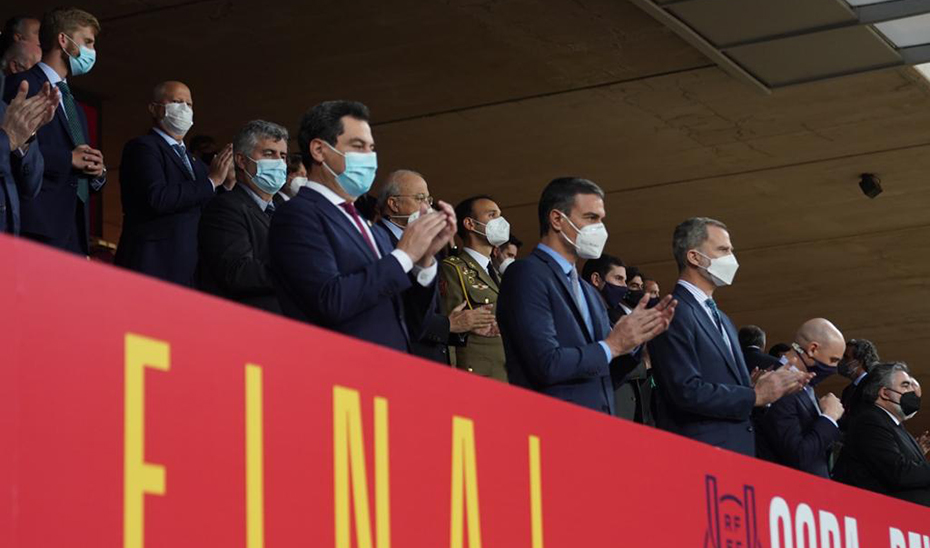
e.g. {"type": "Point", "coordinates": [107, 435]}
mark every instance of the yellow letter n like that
{"type": "Point", "coordinates": [139, 477]}
{"type": "Point", "coordinates": [349, 461]}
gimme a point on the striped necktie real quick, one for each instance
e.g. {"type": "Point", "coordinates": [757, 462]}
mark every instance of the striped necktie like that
{"type": "Point", "coordinates": [76, 132]}
{"type": "Point", "coordinates": [182, 154]}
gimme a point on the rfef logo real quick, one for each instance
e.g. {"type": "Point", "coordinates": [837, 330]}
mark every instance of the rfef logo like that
{"type": "Point", "coordinates": [731, 518]}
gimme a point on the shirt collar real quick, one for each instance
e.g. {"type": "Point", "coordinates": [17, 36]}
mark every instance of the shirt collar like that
{"type": "Point", "coordinates": [327, 193]}
{"type": "Point", "coordinates": [396, 230]}
{"type": "Point", "coordinates": [563, 264]}
{"type": "Point", "coordinates": [894, 418]}
{"type": "Point", "coordinates": [53, 77]}
{"type": "Point", "coordinates": [478, 257]}
{"type": "Point", "coordinates": [697, 292]}
{"type": "Point", "coordinates": [168, 139]}
{"type": "Point", "coordinates": [859, 378]}
{"type": "Point", "coordinates": [258, 199]}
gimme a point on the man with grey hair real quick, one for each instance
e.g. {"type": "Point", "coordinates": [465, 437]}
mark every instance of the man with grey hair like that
{"type": "Point", "coordinates": [800, 430]}
{"type": "Point", "coordinates": [164, 188]}
{"type": "Point", "coordinates": [20, 57]}
{"type": "Point", "coordinates": [399, 200]}
{"type": "Point", "coordinates": [233, 236]}
{"type": "Point", "coordinates": [704, 387]}
{"type": "Point", "coordinates": [879, 453]}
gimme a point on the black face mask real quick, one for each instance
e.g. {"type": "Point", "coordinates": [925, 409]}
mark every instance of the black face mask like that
{"type": "Point", "coordinates": [845, 368]}
{"type": "Point", "coordinates": [909, 402]}
{"type": "Point", "coordinates": [613, 294]}
{"type": "Point", "coordinates": [633, 297]}
{"type": "Point", "coordinates": [820, 370]}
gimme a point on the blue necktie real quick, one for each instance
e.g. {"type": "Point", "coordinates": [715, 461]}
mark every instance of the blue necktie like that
{"type": "Point", "coordinates": [179, 149]}
{"type": "Point", "coordinates": [581, 302]}
{"type": "Point", "coordinates": [715, 313]}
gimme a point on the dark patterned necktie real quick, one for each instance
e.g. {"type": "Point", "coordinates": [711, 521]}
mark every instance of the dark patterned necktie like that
{"type": "Point", "coordinates": [182, 154]}
{"type": "Point", "coordinates": [76, 132]}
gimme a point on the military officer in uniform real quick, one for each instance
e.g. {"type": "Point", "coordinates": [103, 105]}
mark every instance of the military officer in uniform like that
{"type": "Point", "coordinates": [470, 277]}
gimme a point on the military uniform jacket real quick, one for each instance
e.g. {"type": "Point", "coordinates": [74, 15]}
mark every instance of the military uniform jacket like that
{"type": "Point", "coordinates": [463, 279]}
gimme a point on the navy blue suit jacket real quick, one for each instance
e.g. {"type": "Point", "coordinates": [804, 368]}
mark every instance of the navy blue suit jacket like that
{"type": "Point", "coordinates": [328, 276]}
{"type": "Point", "coordinates": [20, 178]}
{"type": "Point", "coordinates": [50, 216]}
{"type": "Point", "coordinates": [704, 391]}
{"type": "Point", "coordinates": [161, 210]}
{"type": "Point", "coordinates": [798, 436]}
{"type": "Point", "coordinates": [546, 344]}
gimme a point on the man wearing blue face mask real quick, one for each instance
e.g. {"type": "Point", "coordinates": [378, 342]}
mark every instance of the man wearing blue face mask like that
{"type": "Point", "coordinates": [799, 430]}
{"type": "Point", "coordinates": [164, 188]}
{"type": "Point", "coordinates": [333, 268]}
{"type": "Point", "coordinates": [704, 390]}
{"type": "Point", "coordinates": [233, 235]}
{"type": "Point", "coordinates": [59, 215]}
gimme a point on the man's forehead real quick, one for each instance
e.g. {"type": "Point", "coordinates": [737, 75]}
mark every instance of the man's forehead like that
{"type": "Point", "coordinates": [353, 128]}
{"type": "Point", "coordinates": [484, 205]}
{"type": "Point", "coordinates": [413, 184]}
{"type": "Point", "coordinates": [274, 144]}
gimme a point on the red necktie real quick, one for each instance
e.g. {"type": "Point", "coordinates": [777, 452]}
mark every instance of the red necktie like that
{"type": "Point", "coordinates": [350, 208]}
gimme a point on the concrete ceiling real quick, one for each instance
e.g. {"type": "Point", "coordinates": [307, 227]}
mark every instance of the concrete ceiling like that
{"type": "Point", "coordinates": [500, 97]}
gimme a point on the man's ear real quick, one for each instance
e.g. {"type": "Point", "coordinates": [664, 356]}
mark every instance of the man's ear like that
{"type": "Point", "coordinates": [555, 220]}
{"type": "Point", "coordinates": [316, 150]}
{"type": "Point", "coordinates": [597, 281]}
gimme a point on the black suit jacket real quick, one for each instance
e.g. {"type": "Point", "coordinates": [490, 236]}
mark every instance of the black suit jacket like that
{"type": "Point", "coordinates": [757, 358]}
{"type": "Point", "coordinates": [161, 210]}
{"type": "Point", "coordinates": [327, 275]}
{"type": "Point", "coordinates": [851, 399]}
{"type": "Point", "coordinates": [55, 216]}
{"type": "Point", "coordinates": [234, 256]}
{"type": "Point", "coordinates": [704, 391]}
{"type": "Point", "coordinates": [797, 435]}
{"type": "Point", "coordinates": [20, 179]}
{"type": "Point", "coordinates": [881, 456]}
{"type": "Point", "coordinates": [435, 338]}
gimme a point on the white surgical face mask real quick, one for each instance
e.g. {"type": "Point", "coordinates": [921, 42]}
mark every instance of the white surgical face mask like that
{"type": "Point", "coordinates": [497, 231]}
{"type": "Point", "coordinates": [505, 263]}
{"type": "Point", "coordinates": [590, 241]}
{"type": "Point", "coordinates": [722, 270]}
{"type": "Point", "coordinates": [296, 184]}
{"type": "Point", "coordinates": [178, 118]}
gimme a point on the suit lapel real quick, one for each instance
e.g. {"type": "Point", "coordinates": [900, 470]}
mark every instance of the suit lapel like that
{"type": "Point", "coordinates": [166, 148]}
{"type": "Point", "coordinates": [709, 328]}
{"type": "Point", "coordinates": [390, 233]}
{"type": "Point", "coordinates": [563, 281]}
{"type": "Point", "coordinates": [59, 110]}
{"type": "Point", "coordinates": [253, 208]}
{"type": "Point", "coordinates": [341, 222]}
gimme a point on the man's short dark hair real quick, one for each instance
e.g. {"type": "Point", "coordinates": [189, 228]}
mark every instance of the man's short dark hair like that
{"type": "Point", "coordinates": [466, 208]}
{"type": "Point", "coordinates": [560, 195]}
{"type": "Point", "coordinates": [865, 352]}
{"type": "Point", "coordinates": [602, 265]}
{"type": "Point", "coordinates": [634, 271]}
{"type": "Point", "coordinates": [324, 122]}
{"type": "Point", "coordinates": [514, 241]}
{"type": "Point", "coordinates": [66, 20]}
{"type": "Point", "coordinates": [880, 377]}
{"type": "Point", "coordinates": [689, 235]}
{"type": "Point", "coordinates": [751, 335]}
{"type": "Point", "coordinates": [778, 349]}
{"type": "Point", "coordinates": [294, 161]}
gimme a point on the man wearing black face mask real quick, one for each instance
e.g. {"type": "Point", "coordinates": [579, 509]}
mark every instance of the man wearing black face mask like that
{"type": "Point", "coordinates": [861, 355]}
{"type": "Point", "coordinates": [608, 275]}
{"type": "Point", "coordinates": [880, 454]}
{"type": "Point", "coordinates": [799, 430]}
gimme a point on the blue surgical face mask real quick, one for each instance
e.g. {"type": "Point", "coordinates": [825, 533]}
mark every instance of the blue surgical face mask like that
{"type": "Point", "coordinates": [84, 61]}
{"type": "Point", "coordinates": [359, 174]}
{"type": "Point", "coordinates": [270, 175]}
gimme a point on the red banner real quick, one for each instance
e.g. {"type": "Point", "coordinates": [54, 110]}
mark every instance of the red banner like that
{"type": "Point", "coordinates": [134, 413]}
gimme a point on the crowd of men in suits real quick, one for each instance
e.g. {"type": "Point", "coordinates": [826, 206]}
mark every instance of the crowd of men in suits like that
{"type": "Point", "coordinates": [310, 238]}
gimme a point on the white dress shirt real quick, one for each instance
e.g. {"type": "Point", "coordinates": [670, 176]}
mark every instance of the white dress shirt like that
{"type": "Point", "coordinates": [479, 258]}
{"type": "Point", "coordinates": [425, 276]}
{"type": "Point", "coordinates": [53, 79]}
{"type": "Point", "coordinates": [701, 298]}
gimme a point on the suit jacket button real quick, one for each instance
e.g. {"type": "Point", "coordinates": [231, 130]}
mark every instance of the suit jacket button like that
{"type": "Point", "coordinates": [750, 429]}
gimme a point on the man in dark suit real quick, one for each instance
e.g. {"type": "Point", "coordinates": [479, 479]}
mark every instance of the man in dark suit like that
{"type": "Point", "coordinates": [21, 162]}
{"type": "Point", "coordinates": [704, 389]}
{"type": "Point", "coordinates": [799, 430]}
{"type": "Point", "coordinates": [399, 200]}
{"type": "Point", "coordinates": [752, 345]}
{"type": "Point", "coordinates": [879, 453]}
{"type": "Point", "coordinates": [233, 235]}
{"type": "Point", "coordinates": [164, 189]}
{"type": "Point", "coordinates": [557, 336]}
{"type": "Point", "coordinates": [861, 355]}
{"type": "Point", "coordinates": [59, 215]}
{"type": "Point", "coordinates": [334, 270]}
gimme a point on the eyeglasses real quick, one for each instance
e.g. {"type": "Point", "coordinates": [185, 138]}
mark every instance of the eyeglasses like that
{"type": "Point", "coordinates": [420, 198]}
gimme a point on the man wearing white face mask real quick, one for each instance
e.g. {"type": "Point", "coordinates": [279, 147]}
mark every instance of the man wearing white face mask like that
{"type": "Point", "coordinates": [332, 268]}
{"type": "Point", "coordinates": [296, 179]}
{"type": "Point", "coordinates": [505, 255]}
{"type": "Point", "coordinates": [557, 336]}
{"type": "Point", "coordinates": [471, 278]}
{"type": "Point", "coordinates": [704, 387]}
{"type": "Point", "coordinates": [234, 257]}
{"type": "Point", "coordinates": [164, 188]}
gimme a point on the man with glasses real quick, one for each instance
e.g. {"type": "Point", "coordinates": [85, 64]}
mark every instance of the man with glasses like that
{"type": "Point", "coordinates": [400, 200]}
